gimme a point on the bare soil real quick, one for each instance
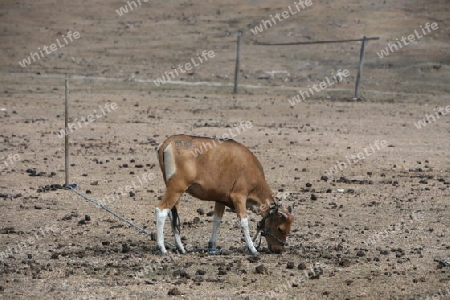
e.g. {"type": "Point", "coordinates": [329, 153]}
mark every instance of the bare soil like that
{"type": "Point", "coordinates": [375, 229]}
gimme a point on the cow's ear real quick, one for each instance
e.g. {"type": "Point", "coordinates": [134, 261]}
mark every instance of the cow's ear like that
{"type": "Point", "coordinates": [273, 207]}
{"type": "Point", "coordinates": [291, 210]}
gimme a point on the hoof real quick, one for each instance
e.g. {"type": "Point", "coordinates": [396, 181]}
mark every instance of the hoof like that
{"type": "Point", "coordinates": [254, 252]}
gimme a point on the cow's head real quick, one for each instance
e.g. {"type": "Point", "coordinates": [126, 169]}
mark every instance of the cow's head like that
{"type": "Point", "coordinates": [276, 226]}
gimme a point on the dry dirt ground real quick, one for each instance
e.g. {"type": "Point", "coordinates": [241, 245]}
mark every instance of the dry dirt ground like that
{"type": "Point", "coordinates": [375, 229]}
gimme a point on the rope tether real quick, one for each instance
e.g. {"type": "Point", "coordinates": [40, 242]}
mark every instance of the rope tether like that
{"type": "Point", "coordinates": [72, 186]}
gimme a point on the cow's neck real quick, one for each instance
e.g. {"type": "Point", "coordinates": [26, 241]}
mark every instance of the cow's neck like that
{"type": "Point", "coordinates": [264, 206]}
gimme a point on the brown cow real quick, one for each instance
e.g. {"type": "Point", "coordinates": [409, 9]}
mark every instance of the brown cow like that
{"type": "Point", "coordinates": [223, 171]}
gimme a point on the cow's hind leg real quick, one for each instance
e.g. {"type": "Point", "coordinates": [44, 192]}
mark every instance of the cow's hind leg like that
{"type": "Point", "coordinates": [175, 221]}
{"type": "Point", "coordinates": [217, 219]}
{"type": "Point", "coordinates": [162, 210]}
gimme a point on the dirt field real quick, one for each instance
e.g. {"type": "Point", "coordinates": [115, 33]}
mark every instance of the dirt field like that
{"type": "Point", "coordinates": [370, 188]}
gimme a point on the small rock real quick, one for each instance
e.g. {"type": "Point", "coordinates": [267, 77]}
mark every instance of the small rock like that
{"type": "Point", "coordinates": [344, 262]}
{"type": "Point", "coordinates": [360, 253]}
{"type": "Point", "coordinates": [200, 211]}
{"type": "Point", "coordinates": [313, 197]}
{"type": "Point", "coordinates": [125, 248]}
{"type": "Point", "coordinates": [290, 265]}
{"type": "Point", "coordinates": [261, 269]}
{"type": "Point", "coordinates": [312, 275]}
{"type": "Point", "coordinates": [56, 186]}
{"type": "Point", "coordinates": [253, 259]}
{"type": "Point", "coordinates": [301, 266]}
{"type": "Point", "coordinates": [174, 292]}
{"type": "Point", "coordinates": [200, 272]}
{"type": "Point", "coordinates": [222, 272]}
{"type": "Point", "coordinates": [181, 274]}
{"type": "Point", "coordinates": [38, 207]}
{"type": "Point", "coordinates": [67, 217]}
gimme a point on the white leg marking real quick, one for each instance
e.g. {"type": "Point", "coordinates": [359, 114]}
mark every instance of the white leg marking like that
{"type": "Point", "coordinates": [177, 236]}
{"type": "Point", "coordinates": [160, 219]}
{"type": "Point", "coordinates": [216, 223]}
{"type": "Point", "coordinates": [248, 239]}
{"type": "Point", "coordinates": [169, 162]}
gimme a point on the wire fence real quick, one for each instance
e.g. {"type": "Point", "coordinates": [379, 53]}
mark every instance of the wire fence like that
{"type": "Point", "coordinates": [361, 56]}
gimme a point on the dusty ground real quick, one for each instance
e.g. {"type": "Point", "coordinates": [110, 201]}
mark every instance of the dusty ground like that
{"type": "Point", "coordinates": [370, 231]}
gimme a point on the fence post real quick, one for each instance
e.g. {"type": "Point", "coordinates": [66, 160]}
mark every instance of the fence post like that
{"type": "Point", "coordinates": [238, 58]}
{"type": "Point", "coordinates": [66, 135]}
{"type": "Point", "coordinates": [361, 63]}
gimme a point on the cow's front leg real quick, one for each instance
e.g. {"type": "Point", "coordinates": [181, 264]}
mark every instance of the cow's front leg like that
{"type": "Point", "coordinates": [219, 208]}
{"type": "Point", "coordinates": [239, 202]}
{"type": "Point", "coordinates": [248, 239]}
